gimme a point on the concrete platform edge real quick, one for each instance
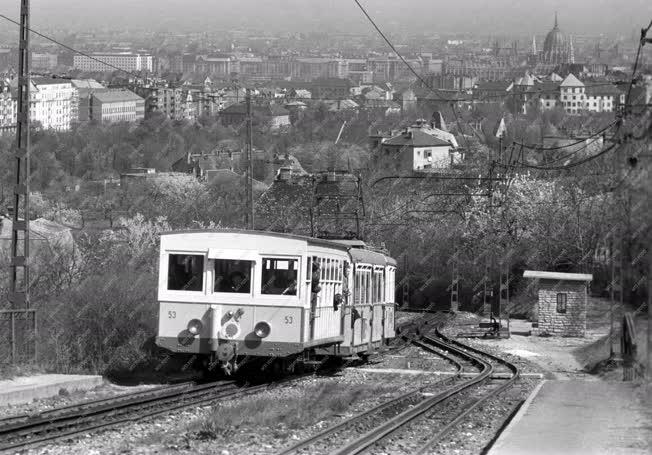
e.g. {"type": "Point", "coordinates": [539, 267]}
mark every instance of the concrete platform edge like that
{"type": "Point", "coordinates": [30, 393]}
{"type": "Point", "coordinates": [516, 419]}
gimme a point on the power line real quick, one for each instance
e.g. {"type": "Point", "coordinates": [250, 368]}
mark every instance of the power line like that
{"type": "Point", "coordinates": [450, 100]}
{"type": "Point", "coordinates": [65, 46]}
{"type": "Point", "coordinates": [540, 92]}
{"type": "Point", "coordinates": [560, 147]}
{"type": "Point", "coordinates": [619, 122]}
{"type": "Point", "coordinates": [412, 70]}
{"type": "Point", "coordinates": [389, 43]}
{"type": "Point", "coordinates": [638, 54]}
{"type": "Point", "coordinates": [423, 81]}
{"type": "Point", "coordinates": [561, 168]}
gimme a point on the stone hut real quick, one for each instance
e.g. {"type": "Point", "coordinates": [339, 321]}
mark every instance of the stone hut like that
{"type": "Point", "coordinates": [562, 302]}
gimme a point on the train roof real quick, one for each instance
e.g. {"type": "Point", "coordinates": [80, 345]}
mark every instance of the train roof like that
{"type": "Point", "coordinates": [357, 248]}
{"type": "Point", "coordinates": [370, 257]}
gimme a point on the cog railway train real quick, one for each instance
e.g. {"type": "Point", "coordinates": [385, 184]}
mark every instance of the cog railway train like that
{"type": "Point", "coordinates": [286, 300]}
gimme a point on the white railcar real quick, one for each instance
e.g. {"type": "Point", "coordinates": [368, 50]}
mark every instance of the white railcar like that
{"type": "Point", "coordinates": [230, 294]}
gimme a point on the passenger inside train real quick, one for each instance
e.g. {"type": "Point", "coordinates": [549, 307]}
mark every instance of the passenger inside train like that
{"type": "Point", "coordinates": [279, 276]}
{"type": "Point", "coordinates": [233, 276]}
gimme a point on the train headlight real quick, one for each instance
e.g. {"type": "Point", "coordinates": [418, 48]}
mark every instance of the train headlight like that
{"type": "Point", "coordinates": [194, 326]}
{"type": "Point", "coordinates": [262, 329]}
{"type": "Point", "coordinates": [230, 330]}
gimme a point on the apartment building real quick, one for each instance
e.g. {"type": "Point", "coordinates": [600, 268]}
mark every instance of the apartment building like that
{"type": "Point", "coordinates": [107, 62]}
{"type": "Point", "coordinates": [116, 106]}
{"type": "Point", "coordinates": [8, 107]}
{"type": "Point", "coordinates": [576, 96]}
{"type": "Point", "coordinates": [44, 61]}
{"type": "Point", "coordinates": [83, 90]}
{"type": "Point", "coordinates": [51, 102]}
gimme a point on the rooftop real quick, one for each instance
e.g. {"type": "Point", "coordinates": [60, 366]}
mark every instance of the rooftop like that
{"type": "Point", "coordinates": [332, 82]}
{"type": "Point", "coordinates": [86, 83]}
{"type": "Point", "coordinates": [49, 81]}
{"type": "Point", "coordinates": [557, 275]}
{"type": "Point", "coordinates": [572, 81]}
{"type": "Point", "coordinates": [273, 110]}
{"type": "Point", "coordinates": [416, 138]}
{"type": "Point", "coordinates": [113, 96]}
{"type": "Point", "coordinates": [493, 86]}
{"type": "Point", "coordinates": [602, 90]}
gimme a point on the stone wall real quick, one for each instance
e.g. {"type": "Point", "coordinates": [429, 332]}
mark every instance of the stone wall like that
{"type": "Point", "coordinates": [571, 323]}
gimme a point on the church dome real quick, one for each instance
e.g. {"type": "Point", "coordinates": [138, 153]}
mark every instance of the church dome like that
{"type": "Point", "coordinates": [556, 47]}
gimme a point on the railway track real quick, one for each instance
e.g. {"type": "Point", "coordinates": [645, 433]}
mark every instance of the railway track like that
{"type": "Point", "coordinates": [416, 409]}
{"type": "Point", "coordinates": [31, 430]}
{"type": "Point", "coordinates": [324, 440]}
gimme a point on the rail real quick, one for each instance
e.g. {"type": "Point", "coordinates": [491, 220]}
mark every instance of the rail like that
{"type": "Point", "coordinates": [473, 404]}
{"type": "Point", "coordinates": [409, 332]}
{"type": "Point", "coordinates": [451, 350]}
{"type": "Point", "coordinates": [382, 431]}
{"type": "Point", "coordinates": [28, 431]}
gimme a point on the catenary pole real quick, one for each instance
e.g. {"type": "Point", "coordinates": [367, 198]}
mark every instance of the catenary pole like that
{"type": "Point", "coordinates": [250, 165]}
{"type": "Point", "coordinates": [648, 370]}
{"type": "Point", "coordinates": [19, 295]}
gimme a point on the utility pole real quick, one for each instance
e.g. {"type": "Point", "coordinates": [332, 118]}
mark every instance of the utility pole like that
{"type": "Point", "coordinates": [616, 285]}
{"type": "Point", "coordinates": [455, 282]}
{"type": "Point", "coordinates": [503, 298]}
{"type": "Point", "coordinates": [19, 295]}
{"type": "Point", "coordinates": [19, 287]}
{"type": "Point", "coordinates": [486, 302]}
{"type": "Point", "coordinates": [406, 284]}
{"type": "Point", "coordinates": [648, 369]}
{"type": "Point", "coordinates": [250, 165]}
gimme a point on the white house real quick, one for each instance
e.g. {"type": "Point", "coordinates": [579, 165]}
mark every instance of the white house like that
{"type": "Point", "coordinates": [415, 150]}
{"type": "Point", "coordinates": [572, 94]}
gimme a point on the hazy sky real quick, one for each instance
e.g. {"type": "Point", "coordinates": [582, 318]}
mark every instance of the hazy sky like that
{"type": "Point", "coordinates": [481, 16]}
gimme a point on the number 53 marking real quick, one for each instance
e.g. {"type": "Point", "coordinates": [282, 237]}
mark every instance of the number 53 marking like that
{"type": "Point", "coordinates": [172, 314]}
{"type": "Point", "coordinates": [289, 320]}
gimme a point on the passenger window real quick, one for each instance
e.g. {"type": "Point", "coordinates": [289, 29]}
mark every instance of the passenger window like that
{"type": "Point", "coordinates": [185, 272]}
{"type": "Point", "coordinates": [279, 276]}
{"type": "Point", "coordinates": [232, 276]}
{"type": "Point", "coordinates": [308, 268]}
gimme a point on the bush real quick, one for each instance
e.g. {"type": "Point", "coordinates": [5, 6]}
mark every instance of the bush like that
{"type": "Point", "coordinates": [101, 324]}
{"type": "Point", "coordinates": [99, 317]}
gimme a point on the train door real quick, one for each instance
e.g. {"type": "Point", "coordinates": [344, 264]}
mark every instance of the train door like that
{"type": "Point", "coordinates": [377, 304]}
{"type": "Point", "coordinates": [312, 284]}
{"type": "Point", "coordinates": [361, 311]}
{"type": "Point", "coordinates": [326, 275]}
{"type": "Point", "coordinates": [389, 305]}
{"type": "Point", "coordinates": [350, 292]}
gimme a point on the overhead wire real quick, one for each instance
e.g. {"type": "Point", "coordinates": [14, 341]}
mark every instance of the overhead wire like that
{"type": "Point", "coordinates": [567, 166]}
{"type": "Point", "coordinates": [412, 70]}
{"type": "Point", "coordinates": [420, 78]}
{"type": "Point", "coordinates": [638, 54]}
{"type": "Point", "coordinates": [559, 147]}
{"type": "Point", "coordinates": [618, 121]}
{"type": "Point", "coordinates": [400, 56]}
{"type": "Point", "coordinates": [65, 46]}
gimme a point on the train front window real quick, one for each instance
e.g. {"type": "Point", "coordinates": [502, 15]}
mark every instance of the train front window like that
{"type": "Point", "coordinates": [233, 276]}
{"type": "Point", "coordinates": [185, 272]}
{"type": "Point", "coordinates": [279, 276]}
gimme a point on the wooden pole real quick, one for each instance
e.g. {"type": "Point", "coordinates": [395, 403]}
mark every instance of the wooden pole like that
{"type": "Point", "coordinates": [648, 370]}
{"type": "Point", "coordinates": [612, 297]}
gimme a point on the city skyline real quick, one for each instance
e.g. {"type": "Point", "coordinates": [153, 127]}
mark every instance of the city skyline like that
{"type": "Point", "coordinates": [418, 16]}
